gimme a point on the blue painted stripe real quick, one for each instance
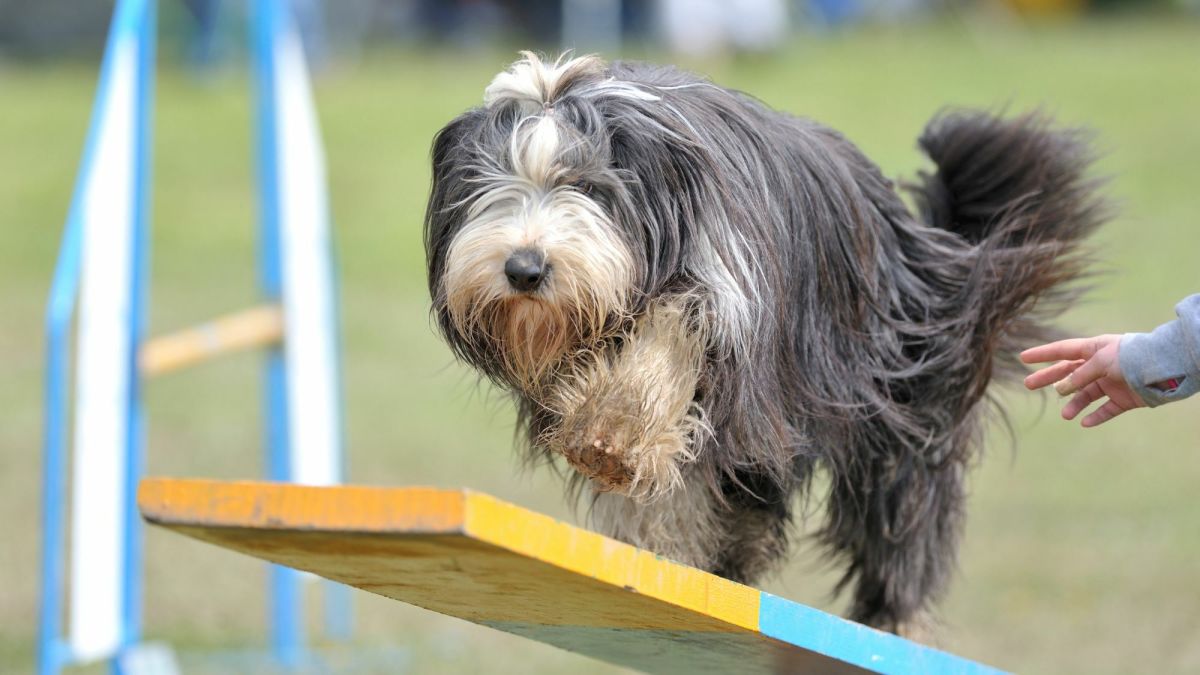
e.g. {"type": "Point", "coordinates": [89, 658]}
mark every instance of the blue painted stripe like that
{"type": "Point", "coordinates": [857, 644]}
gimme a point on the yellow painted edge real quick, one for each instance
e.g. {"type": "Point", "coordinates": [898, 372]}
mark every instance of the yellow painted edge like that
{"type": "Point", "coordinates": [174, 501]}
{"type": "Point", "coordinates": [583, 552]}
{"type": "Point", "coordinates": [254, 327]}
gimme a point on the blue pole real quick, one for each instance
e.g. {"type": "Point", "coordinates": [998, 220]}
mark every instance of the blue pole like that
{"type": "Point", "coordinates": [339, 601]}
{"type": "Point", "coordinates": [339, 613]}
{"type": "Point", "coordinates": [63, 292]}
{"type": "Point", "coordinates": [147, 32]}
{"type": "Point", "coordinates": [285, 603]}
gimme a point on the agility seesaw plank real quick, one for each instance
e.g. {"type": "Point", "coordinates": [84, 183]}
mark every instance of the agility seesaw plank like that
{"type": "Point", "coordinates": [472, 556]}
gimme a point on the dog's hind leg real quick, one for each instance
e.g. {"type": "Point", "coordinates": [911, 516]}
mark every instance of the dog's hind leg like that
{"type": "Point", "coordinates": [627, 418]}
{"type": "Point", "coordinates": [756, 517]}
{"type": "Point", "coordinates": [755, 542]}
{"type": "Point", "coordinates": [896, 521]}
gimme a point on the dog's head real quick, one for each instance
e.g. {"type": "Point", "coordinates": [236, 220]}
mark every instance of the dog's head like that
{"type": "Point", "coordinates": [547, 222]}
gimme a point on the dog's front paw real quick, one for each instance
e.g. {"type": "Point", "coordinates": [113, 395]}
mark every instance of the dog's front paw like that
{"type": "Point", "coordinates": [628, 418]}
{"type": "Point", "coordinates": [624, 454]}
{"type": "Point", "coordinates": [600, 455]}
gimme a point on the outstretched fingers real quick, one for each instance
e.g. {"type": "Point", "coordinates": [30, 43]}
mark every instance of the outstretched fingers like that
{"type": "Point", "coordinates": [1103, 414]}
{"type": "Point", "coordinates": [1092, 370]}
{"type": "Point", "coordinates": [1088, 369]}
{"type": "Point", "coordinates": [1063, 350]}
{"type": "Point", "coordinates": [1052, 374]}
{"type": "Point", "coordinates": [1082, 400]}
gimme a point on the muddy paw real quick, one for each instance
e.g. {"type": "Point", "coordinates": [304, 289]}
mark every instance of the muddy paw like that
{"type": "Point", "coordinates": [600, 457]}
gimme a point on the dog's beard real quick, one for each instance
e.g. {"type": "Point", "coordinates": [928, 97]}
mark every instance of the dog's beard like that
{"type": "Point", "coordinates": [531, 336]}
{"type": "Point", "coordinates": [584, 298]}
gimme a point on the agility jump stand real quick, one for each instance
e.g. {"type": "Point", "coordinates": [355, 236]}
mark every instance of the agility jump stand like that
{"type": "Point", "coordinates": [102, 264]}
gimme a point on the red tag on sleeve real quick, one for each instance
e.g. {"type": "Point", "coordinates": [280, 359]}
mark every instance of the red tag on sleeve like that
{"type": "Point", "coordinates": [1168, 385]}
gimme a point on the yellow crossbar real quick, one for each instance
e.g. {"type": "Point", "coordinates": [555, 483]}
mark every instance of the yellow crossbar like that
{"type": "Point", "coordinates": [254, 327]}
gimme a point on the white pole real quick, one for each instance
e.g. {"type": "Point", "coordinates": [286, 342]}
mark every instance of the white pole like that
{"type": "Point", "coordinates": [310, 346]}
{"type": "Point", "coordinates": [103, 388]}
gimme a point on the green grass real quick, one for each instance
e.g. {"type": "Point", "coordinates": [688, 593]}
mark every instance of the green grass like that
{"type": "Point", "coordinates": [1080, 549]}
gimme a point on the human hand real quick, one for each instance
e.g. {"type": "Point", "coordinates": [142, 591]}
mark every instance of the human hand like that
{"type": "Point", "coordinates": [1091, 369]}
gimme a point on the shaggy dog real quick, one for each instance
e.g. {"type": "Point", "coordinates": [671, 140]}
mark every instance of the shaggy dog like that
{"type": "Point", "coordinates": [699, 303]}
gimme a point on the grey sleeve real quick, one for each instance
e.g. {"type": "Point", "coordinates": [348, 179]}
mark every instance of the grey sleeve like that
{"type": "Point", "coordinates": [1168, 356]}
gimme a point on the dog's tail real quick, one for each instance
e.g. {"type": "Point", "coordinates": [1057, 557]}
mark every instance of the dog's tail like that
{"type": "Point", "coordinates": [1017, 190]}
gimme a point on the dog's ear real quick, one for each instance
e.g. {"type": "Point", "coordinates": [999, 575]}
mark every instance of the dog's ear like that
{"type": "Point", "coordinates": [663, 179]}
{"type": "Point", "coordinates": [454, 150]}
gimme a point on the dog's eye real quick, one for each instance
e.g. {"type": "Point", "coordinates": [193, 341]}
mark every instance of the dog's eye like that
{"type": "Point", "coordinates": [581, 185]}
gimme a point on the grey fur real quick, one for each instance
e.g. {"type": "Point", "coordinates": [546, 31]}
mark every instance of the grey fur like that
{"type": "Point", "coordinates": [844, 333]}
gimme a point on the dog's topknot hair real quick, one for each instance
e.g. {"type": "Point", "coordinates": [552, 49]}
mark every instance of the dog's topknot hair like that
{"type": "Point", "coordinates": [535, 83]}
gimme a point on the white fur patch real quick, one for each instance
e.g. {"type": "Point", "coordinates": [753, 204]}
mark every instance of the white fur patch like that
{"type": "Point", "coordinates": [534, 148]}
{"type": "Point", "coordinates": [732, 296]}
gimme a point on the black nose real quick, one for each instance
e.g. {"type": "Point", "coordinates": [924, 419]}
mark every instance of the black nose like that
{"type": "Point", "coordinates": [525, 269]}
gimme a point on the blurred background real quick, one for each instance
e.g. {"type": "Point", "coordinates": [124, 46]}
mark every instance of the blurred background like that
{"type": "Point", "coordinates": [1081, 546]}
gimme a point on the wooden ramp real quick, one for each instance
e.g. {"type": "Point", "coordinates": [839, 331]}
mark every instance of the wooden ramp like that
{"type": "Point", "coordinates": [475, 557]}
